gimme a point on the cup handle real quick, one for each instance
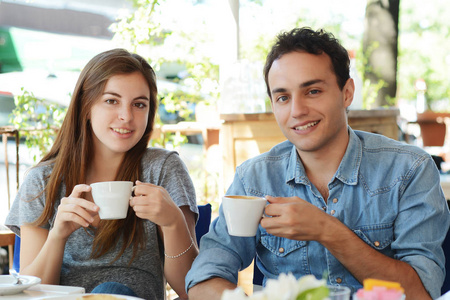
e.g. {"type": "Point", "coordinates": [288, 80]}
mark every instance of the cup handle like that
{"type": "Point", "coordinates": [132, 192]}
{"type": "Point", "coordinates": [264, 212]}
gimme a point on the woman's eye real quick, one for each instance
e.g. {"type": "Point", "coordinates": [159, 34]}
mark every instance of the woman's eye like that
{"type": "Point", "coordinates": [140, 105]}
{"type": "Point", "coordinates": [111, 101]}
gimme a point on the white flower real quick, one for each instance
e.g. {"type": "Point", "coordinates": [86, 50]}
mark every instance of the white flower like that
{"type": "Point", "coordinates": [236, 294]}
{"type": "Point", "coordinates": [308, 282]}
{"type": "Point", "coordinates": [285, 287]}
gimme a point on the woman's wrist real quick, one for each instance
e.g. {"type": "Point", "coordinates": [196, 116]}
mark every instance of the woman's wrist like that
{"type": "Point", "coordinates": [176, 224]}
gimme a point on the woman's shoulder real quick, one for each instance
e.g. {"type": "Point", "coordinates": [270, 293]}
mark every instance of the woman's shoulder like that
{"type": "Point", "coordinates": [158, 162]}
{"type": "Point", "coordinates": [153, 154]}
{"type": "Point", "coordinates": [39, 172]}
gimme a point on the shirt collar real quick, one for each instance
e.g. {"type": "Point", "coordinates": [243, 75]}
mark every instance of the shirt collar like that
{"type": "Point", "coordinates": [348, 169]}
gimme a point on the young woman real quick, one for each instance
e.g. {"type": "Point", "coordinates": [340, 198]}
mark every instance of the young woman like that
{"type": "Point", "coordinates": [104, 137]}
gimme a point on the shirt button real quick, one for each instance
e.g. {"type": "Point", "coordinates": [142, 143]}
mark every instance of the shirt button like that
{"type": "Point", "coordinates": [333, 212]}
{"type": "Point", "coordinates": [338, 280]}
{"type": "Point", "coordinates": [324, 208]}
{"type": "Point", "coordinates": [281, 250]}
{"type": "Point", "coordinates": [377, 243]}
{"type": "Point", "coordinates": [335, 200]}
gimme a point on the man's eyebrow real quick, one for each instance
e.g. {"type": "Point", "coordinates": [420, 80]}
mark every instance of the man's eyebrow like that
{"type": "Point", "coordinates": [311, 82]}
{"type": "Point", "coordinates": [279, 90]}
{"type": "Point", "coordinates": [302, 85]}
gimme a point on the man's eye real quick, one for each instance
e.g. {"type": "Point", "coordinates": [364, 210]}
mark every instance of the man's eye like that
{"type": "Point", "coordinates": [314, 92]}
{"type": "Point", "coordinates": [282, 98]}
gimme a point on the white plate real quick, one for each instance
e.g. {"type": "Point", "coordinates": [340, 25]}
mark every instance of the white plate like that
{"type": "Point", "coordinates": [90, 296]}
{"type": "Point", "coordinates": [7, 286]}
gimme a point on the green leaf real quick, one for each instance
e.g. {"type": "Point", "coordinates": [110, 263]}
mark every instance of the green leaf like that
{"type": "Point", "coordinates": [319, 293]}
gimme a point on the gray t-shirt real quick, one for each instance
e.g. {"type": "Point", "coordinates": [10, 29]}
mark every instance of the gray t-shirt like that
{"type": "Point", "coordinates": [145, 276]}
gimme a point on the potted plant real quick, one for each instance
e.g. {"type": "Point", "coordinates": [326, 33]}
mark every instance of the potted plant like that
{"type": "Point", "coordinates": [433, 120]}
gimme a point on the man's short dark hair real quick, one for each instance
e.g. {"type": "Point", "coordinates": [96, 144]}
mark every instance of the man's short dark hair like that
{"type": "Point", "coordinates": [315, 42]}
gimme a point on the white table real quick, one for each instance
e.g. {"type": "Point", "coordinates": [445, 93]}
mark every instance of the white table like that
{"type": "Point", "coordinates": [45, 290]}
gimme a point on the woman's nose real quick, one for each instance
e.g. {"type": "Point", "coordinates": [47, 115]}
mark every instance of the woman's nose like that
{"type": "Point", "coordinates": [125, 113]}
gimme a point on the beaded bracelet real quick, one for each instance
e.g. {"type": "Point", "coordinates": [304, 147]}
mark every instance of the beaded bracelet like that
{"type": "Point", "coordinates": [182, 253]}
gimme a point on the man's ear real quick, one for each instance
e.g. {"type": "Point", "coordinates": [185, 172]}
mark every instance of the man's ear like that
{"type": "Point", "coordinates": [348, 92]}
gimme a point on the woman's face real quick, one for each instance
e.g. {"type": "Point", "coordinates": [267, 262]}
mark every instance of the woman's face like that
{"type": "Point", "coordinates": [119, 117]}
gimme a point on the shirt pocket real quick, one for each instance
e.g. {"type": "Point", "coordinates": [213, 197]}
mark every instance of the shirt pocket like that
{"type": "Point", "coordinates": [280, 246]}
{"type": "Point", "coordinates": [379, 237]}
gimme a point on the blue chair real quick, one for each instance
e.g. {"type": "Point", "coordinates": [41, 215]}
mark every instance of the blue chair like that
{"type": "Point", "coordinates": [202, 227]}
{"type": "Point", "coordinates": [203, 222]}
{"type": "Point", "coordinates": [16, 257]}
{"type": "Point", "coordinates": [446, 247]}
{"type": "Point", "coordinates": [257, 275]}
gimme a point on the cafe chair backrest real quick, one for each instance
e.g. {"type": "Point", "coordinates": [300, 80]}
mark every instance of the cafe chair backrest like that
{"type": "Point", "coordinates": [203, 222]}
{"type": "Point", "coordinates": [257, 275]}
{"type": "Point", "coordinates": [446, 247]}
{"type": "Point", "coordinates": [16, 257]}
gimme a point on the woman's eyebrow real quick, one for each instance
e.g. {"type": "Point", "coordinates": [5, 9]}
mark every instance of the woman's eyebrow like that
{"type": "Point", "coordinates": [112, 93]}
{"type": "Point", "coordinates": [119, 96]}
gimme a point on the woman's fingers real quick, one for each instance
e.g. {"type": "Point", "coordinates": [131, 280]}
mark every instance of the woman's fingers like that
{"type": "Point", "coordinates": [74, 211]}
{"type": "Point", "coordinates": [153, 203]}
{"type": "Point", "coordinates": [79, 189]}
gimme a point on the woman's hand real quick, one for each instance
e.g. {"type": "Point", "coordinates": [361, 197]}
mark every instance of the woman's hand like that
{"type": "Point", "coordinates": [74, 212]}
{"type": "Point", "coordinates": [154, 203]}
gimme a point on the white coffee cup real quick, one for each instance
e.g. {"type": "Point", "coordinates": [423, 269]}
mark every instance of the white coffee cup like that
{"type": "Point", "coordinates": [243, 213]}
{"type": "Point", "coordinates": [113, 198]}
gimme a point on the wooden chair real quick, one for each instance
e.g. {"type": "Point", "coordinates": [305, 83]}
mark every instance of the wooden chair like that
{"type": "Point", "coordinates": [7, 239]}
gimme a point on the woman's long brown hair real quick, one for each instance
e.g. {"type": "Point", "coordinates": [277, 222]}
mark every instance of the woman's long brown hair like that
{"type": "Point", "coordinates": [72, 151]}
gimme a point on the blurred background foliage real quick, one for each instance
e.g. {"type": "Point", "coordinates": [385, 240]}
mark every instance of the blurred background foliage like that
{"type": "Point", "coordinates": [182, 36]}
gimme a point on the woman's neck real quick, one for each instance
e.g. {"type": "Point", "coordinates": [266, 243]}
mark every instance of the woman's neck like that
{"type": "Point", "coordinates": [103, 168]}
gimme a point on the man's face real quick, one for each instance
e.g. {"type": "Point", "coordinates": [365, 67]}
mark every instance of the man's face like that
{"type": "Point", "coordinates": [307, 102]}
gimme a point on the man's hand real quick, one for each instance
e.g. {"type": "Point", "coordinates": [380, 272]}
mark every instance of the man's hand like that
{"type": "Point", "coordinates": [294, 218]}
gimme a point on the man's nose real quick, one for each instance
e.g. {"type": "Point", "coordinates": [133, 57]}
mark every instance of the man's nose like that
{"type": "Point", "coordinates": [299, 106]}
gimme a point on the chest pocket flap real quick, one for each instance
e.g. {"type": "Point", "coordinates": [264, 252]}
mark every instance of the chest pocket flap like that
{"type": "Point", "coordinates": [280, 246]}
{"type": "Point", "coordinates": [377, 236]}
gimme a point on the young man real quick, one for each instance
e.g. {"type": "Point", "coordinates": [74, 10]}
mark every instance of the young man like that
{"type": "Point", "coordinates": [345, 204]}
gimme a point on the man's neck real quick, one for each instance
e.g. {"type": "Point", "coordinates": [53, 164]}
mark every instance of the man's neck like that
{"type": "Point", "coordinates": [320, 166]}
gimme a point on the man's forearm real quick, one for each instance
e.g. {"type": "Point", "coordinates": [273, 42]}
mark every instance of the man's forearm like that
{"type": "Point", "coordinates": [211, 289]}
{"type": "Point", "coordinates": [365, 262]}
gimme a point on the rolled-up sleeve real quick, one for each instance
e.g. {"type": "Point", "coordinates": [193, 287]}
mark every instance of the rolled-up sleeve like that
{"type": "Point", "coordinates": [421, 226]}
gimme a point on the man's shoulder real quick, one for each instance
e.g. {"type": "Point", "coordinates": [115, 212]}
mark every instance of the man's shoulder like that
{"type": "Point", "coordinates": [376, 142]}
{"type": "Point", "coordinates": [382, 152]}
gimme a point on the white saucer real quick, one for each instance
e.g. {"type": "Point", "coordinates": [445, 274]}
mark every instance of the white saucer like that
{"type": "Point", "coordinates": [7, 286]}
{"type": "Point", "coordinates": [90, 296]}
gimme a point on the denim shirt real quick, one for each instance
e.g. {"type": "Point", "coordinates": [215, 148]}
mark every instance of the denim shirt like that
{"type": "Point", "coordinates": [388, 193]}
